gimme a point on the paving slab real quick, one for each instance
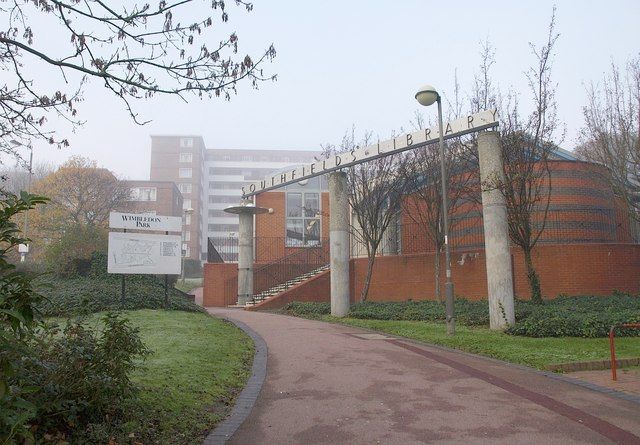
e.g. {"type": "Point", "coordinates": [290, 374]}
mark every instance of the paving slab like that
{"type": "Point", "coordinates": [329, 383]}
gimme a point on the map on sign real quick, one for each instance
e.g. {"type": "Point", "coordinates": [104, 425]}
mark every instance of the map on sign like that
{"type": "Point", "coordinates": [141, 253]}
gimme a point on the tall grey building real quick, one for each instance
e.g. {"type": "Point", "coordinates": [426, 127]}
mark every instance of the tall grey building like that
{"type": "Point", "coordinates": [211, 180]}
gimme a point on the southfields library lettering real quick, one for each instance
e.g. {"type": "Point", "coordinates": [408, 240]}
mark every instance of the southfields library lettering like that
{"type": "Point", "coordinates": [586, 230]}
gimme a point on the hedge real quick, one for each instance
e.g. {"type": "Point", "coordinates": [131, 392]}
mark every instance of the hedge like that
{"type": "Point", "coordinates": [579, 316]}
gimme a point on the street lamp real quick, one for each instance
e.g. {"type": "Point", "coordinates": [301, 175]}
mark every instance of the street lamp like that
{"type": "Point", "coordinates": [24, 248]}
{"type": "Point", "coordinates": [187, 212]}
{"type": "Point", "coordinates": [426, 96]}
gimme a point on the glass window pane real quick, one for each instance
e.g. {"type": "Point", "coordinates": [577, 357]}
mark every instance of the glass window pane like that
{"type": "Point", "coordinates": [294, 204]}
{"type": "Point", "coordinates": [311, 204]}
{"type": "Point", "coordinates": [294, 232]}
{"type": "Point", "coordinates": [312, 232]}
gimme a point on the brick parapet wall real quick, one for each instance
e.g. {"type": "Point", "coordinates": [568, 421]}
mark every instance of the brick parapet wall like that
{"type": "Point", "coordinates": [216, 292]}
{"type": "Point", "coordinates": [573, 269]}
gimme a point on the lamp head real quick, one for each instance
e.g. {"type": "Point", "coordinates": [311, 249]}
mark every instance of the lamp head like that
{"type": "Point", "coordinates": [427, 95]}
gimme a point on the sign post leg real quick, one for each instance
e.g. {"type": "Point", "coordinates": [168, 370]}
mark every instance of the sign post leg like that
{"type": "Point", "coordinates": [166, 291]}
{"type": "Point", "coordinates": [122, 292]}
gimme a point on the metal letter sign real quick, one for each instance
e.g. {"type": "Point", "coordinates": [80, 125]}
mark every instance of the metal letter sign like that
{"type": "Point", "coordinates": [456, 128]}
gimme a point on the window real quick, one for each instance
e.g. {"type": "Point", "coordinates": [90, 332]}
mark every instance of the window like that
{"type": "Point", "coordinates": [186, 236]}
{"type": "Point", "coordinates": [187, 220]}
{"type": "Point", "coordinates": [184, 172]}
{"type": "Point", "coordinates": [247, 158]}
{"type": "Point", "coordinates": [143, 194]}
{"type": "Point", "coordinates": [303, 219]}
{"type": "Point", "coordinates": [184, 187]}
{"type": "Point", "coordinates": [222, 227]}
{"type": "Point", "coordinates": [219, 213]}
{"type": "Point", "coordinates": [186, 157]}
{"type": "Point", "coordinates": [186, 252]}
{"type": "Point", "coordinates": [226, 158]}
{"type": "Point", "coordinates": [213, 199]}
{"type": "Point", "coordinates": [186, 143]}
{"type": "Point", "coordinates": [186, 204]}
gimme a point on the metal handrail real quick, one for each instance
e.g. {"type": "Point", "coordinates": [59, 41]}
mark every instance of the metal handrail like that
{"type": "Point", "coordinates": [290, 266]}
{"type": "Point", "coordinates": [612, 345]}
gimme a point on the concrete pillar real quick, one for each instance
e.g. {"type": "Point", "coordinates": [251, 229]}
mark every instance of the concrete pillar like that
{"type": "Point", "coordinates": [245, 256]}
{"type": "Point", "coordinates": [339, 243]}
{"type": "Point", "coordinates": [496, 232]}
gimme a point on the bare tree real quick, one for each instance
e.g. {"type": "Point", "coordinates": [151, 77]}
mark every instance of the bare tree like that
{"type": "Point", "coordinates": [423, 202]}
{"type": "Point", "coordinates": [527, 143]}
{"type": "Point", "coordinates": [14, 179]}
{"type": "Point", "coordinates": [137, 50]}
{"type": "Point", "coordinates": [611, 132]}
{"type": "Point", "coordinates": [375, 191]}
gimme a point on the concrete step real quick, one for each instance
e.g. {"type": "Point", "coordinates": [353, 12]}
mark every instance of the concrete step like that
{"type": "Point", "coordinates": [278, 289]}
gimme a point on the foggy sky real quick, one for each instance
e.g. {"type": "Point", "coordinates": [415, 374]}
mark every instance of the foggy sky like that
{"type": "Point", "coordinates": [359, 63]}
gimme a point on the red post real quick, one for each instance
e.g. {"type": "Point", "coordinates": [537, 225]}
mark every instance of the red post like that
{"type": "Point", "coordinates": [612, 345]}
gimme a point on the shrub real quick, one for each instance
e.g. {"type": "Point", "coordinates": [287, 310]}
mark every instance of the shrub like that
{"type": "Point", "coordinates": [17, 317]}
{"type": "Point", "coordinates": [72, 254]}
{"type": "Point", "coordinates": [586, 316]}
{"type": "Point", "coordinates": [299, 308]}
{"type": "Point", "coordinates": [76, 378]}
{"type": "Point", "coordinates": [100, 291]}
{"type": "Point", "coordinates": [581, 316]}
{"type": "Point", "coordinates": [84, 295]}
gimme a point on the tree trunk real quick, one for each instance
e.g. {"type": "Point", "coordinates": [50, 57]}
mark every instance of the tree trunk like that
{"type": "Point", "coordinates": [437, 276]}
{"type": "Point", "coordinates": [367, 279]}
{"type": "Point", "coordinates": [532, 276]}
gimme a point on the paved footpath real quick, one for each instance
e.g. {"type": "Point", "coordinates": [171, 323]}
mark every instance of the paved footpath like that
{"type": "Point", "coordinates": [330, 384]}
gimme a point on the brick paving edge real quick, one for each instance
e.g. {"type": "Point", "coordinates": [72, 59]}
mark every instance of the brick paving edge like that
{"type": "Point", "coordinates": [249, 395]}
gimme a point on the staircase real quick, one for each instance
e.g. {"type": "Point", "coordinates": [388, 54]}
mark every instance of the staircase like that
{"type": "Point", "coordinates": [279, 288]}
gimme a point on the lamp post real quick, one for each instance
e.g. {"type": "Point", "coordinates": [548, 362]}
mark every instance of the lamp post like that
{"type": "Point", "coordinates": [426, 96]}
{"type": "Point", "coordinates": [23, 249]}
{"type": "Point", "coordinates": [187, 212]}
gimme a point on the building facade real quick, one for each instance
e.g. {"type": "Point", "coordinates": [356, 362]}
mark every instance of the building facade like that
{"type": "Point", "coordinates": [211, 180]}
{"type": "Point", "coordinates": [157, 197]}
{"type": "Point", "coordinates": [588, 246]}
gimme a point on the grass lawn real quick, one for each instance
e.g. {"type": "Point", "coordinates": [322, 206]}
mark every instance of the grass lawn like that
{"type": "Point", "coordinates": [189, 284]}
{"type": "Point", "coordinates": [534, 352]}
{"type": "Point", "coordinates": [188, 383]}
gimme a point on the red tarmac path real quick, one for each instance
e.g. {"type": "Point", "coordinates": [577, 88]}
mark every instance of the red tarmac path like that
{"type": "Point", "coordinates": [326, 385]}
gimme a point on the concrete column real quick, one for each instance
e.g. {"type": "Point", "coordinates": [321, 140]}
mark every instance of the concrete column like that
{"type": "Point", "coordinates": [496, 232]}
{"type": "Point", "coordinates": [245, 256]}
{"type": "Point", "coordinates": [339, 243]}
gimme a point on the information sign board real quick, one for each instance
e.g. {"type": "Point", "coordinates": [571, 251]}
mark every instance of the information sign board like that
{"type": "Point", "coordinates": [144, 253]}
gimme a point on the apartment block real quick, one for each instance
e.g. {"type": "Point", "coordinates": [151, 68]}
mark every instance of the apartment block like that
{"type": "Point", "coordinates": [211, 180]}
{"type": "Point", "coordinates": [157, 197]}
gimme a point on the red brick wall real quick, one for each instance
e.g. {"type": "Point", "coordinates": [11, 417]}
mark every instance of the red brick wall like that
{"type": "Point", "coordinates": [574, 269]}
{"type": "Point", "coordinates": [582, 208]}
{"type": "Point", "coordinates": [216, 291]}
{"type": "Point", "coordinates": [271, 228]}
